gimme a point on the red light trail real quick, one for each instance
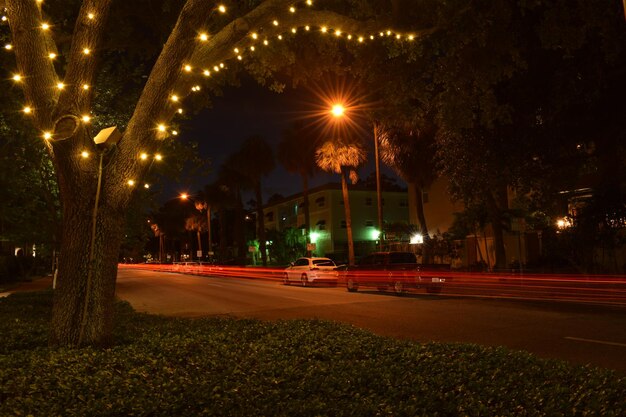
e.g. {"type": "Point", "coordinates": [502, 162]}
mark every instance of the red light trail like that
{"type": "Point", "coordinates": [587, 289]}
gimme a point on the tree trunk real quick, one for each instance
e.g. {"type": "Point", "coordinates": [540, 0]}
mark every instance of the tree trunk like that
{"type": "Point", "coordinates": [346, 206]}
{"type": "Point", "coordinates": [421, 217]}
{"type": "Point", "coordinates": [498, 231]}
{"type": "Point", "coordinates": [307, 212]}
{"type": "Point", "coordinates": [260, 222]}
{"type": "Point", "coordinates": [221, 216]}
{"type": "Point", "coordinates": [85, 290]}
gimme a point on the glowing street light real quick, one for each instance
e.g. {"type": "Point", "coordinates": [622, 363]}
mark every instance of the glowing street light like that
{"type": "Point", "coordinates": [338, 110]}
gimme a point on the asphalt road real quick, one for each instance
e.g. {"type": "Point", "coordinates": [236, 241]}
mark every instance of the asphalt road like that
{"type": "Point", "coordinates": [581, 334]}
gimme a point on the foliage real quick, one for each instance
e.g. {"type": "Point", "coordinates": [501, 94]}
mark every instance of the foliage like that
{"type": "Point", "coordinates": [223, 366]}
{"type": "Point", "coordinates": [287, 245]}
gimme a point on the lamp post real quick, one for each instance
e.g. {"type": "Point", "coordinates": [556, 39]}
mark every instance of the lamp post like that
{"type": "Point", "coordinates": [378, 188]}
{"type": "Point", "coordinates": [338, 110]}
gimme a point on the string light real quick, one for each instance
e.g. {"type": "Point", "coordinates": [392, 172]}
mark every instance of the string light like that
{"type": "Point", "coordinates": [204, 37]}
{"type": "Point", "coordinates": [86, 118]}
{"type": "Point", "coordinates": [324, 29]}
{"type": "Point", "coordinates": [45, 26]}
{"type": "Point", "coordinates": [143, 156]}
{"type": "Point", "coordinates": [146, 186]}
{"type": "Point", "coordinates": [188, 68]}
{"type": "Point", "coordinates": [131, 182]}
{"type": "Point", "coordinates": [174, 98]}
{"type": "Point", "coordinates": [158, 157]}
{"type": "Point", "coordinates": [85, 86]}
{"type": "Point", "coordinates": [254, 35]}
{"type": "Point", "coordinates": [221, 8]}
{"type": "Point", "coordinates": [292, 9]}
{"type": "Point", "coordinates": [206, 73]}
{"type": "Point", "coordinates": [52, 55]}
{"type": "Point", "coordinates": [91, 16]}
{"type": "Point", "coordinates": [275, 22]}
{"type": "Point", "coordinates": [309, 2]}
{"type": "Point", "coordinates": [84, 154]}
{"type": "Point", "coordinates": [27, 110]}
{"type": "Point", "coordinates": [60, 86]}
{"type": "Point", "coordinates": [86, 51]}
{"type": "Point", "coordinates": [17, 78]}
{"type": "Point", "coordinates": [47, 135]}
{"type": "Point", "coordinates": [161, 128]}
{"type": "Point", "coordinates": [8, 46]}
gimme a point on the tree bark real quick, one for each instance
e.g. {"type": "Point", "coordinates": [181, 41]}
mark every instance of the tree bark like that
{"type": "Point", "coordinates": [83, 299]}
{"type": "Point", "coordinates": [346, 206]}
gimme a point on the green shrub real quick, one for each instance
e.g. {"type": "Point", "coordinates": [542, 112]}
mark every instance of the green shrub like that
{"type": "Point", "coordinates": [227, 367]}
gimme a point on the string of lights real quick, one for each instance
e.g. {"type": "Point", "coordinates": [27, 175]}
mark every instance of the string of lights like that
{"type": "Point", "coordinates": [256, 40]}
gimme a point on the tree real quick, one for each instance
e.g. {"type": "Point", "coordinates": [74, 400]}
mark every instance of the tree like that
{"type": "Point", "coordinates": [296, 152]}
{"type": "Point", "coordinates": [92, 231]}
{"type": "Point", "coordinates": [412, 156]}
{"type": "Point", "coordinates": [255, 160]}
{"type": "Point", "coordinates": [343, 157]}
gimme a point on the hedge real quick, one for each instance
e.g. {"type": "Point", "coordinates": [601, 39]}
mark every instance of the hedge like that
{"type": "Point", "coordinates": [230, 367]}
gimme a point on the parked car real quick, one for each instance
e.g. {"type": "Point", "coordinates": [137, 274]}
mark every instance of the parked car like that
{"type": "Point", "coordinates": [310, 271]}
{"type": "Point", "coordinates": [397, 271]}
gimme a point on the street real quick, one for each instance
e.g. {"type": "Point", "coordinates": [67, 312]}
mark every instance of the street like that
{"type": "Point", "coordinates": [582, 334]}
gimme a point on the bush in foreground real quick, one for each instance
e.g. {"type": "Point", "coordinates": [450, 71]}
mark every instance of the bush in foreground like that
{"type": "Point", "coordinates": [227, 367]}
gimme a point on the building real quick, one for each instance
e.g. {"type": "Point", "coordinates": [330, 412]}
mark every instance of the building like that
{"type": "Point", "coordinates": [328, 223]}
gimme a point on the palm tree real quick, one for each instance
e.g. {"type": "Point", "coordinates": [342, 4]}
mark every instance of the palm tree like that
{"type": "Point", "coordinates": [411, 154]}
{"type": "Point", "coordinates": [231, 181]}
{"type": "Point", "coordinates": [195, 223]}
{"type": "Point", "coordinates": [343, 157]}
{"type": "Point", "coordinates": [296, 152]}
{"type": "Point", "coordinates": [255, 160]}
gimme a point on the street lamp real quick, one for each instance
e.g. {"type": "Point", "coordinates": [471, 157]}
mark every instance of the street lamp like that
{"type": "Point", "coordinates": [338, 111]}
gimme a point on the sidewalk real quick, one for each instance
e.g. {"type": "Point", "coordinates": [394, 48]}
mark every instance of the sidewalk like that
{"type": "Point", "coordinates": [37, 284]}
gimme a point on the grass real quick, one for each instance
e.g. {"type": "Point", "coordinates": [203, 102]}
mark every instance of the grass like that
{"type": "Point", "coordinates": [228, 367]}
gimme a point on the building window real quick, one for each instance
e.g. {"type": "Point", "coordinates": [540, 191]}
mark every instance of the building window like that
{"type": "Point", "coordinates": [321, 225]}
{"type": "Point", "coordinates": [369, 223]}
{"type": "Point", "coordinates": [269, 216]}
{"type": "Point", "coordinates": [424, 197]}
{"type": "Point", "coordinates": [368, 201]}
{"type": "Point", "coordinates": [343, 224]}
{"type": "Point", "coordinates": [404, 203]}
{"type": "Point", "coordinates": [320, 201]}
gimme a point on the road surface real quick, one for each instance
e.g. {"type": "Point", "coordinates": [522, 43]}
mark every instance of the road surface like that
{"type": "Point", "coordinates": [581, 334]}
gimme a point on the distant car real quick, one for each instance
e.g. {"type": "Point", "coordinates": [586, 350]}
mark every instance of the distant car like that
{"type": "Point", "coordinates": [310, 271]}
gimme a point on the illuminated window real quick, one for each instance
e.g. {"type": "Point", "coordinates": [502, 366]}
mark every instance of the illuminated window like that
{"type": "Point", "coordinates": [321, 225]}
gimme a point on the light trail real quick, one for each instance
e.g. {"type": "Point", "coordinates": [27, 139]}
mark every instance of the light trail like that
{"type": "Point", "coordinates": [587, 289]}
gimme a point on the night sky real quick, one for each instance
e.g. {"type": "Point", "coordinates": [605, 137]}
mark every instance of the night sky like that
{"type": "Point", "coordinates": [245, 111]}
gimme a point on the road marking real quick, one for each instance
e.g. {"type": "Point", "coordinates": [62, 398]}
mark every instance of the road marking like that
{"type": "Point", "coordinates": [601, 342]}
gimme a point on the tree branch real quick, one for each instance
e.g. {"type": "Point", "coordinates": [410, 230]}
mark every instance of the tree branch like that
{"type": "Point", "coordinates": [31, 53]}
{"type": "Point", "coordinates": [88, 32]}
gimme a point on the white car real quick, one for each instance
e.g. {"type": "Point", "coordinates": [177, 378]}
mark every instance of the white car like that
{"type": "Point", "coordinates": [309, 271]}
